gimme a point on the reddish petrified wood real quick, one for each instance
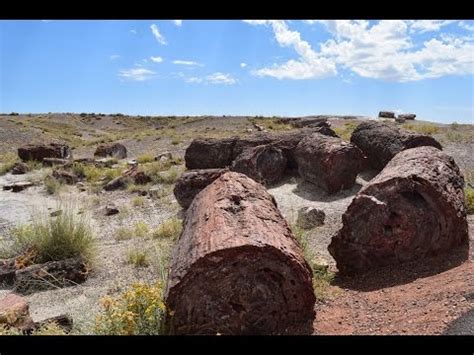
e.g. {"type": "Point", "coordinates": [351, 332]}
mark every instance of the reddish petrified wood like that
{"type": "Point", "coordinates": [413, 209]}
{"type": "Point", "coordinates": [380, 142]}
{"type": "Point", "coordinates": [192, 182]}
{"type": "Point", "coordinates": [220, 153]}
{"type": "Point", "coordinates": [40, 151]}
{"type": "Point", "coordinates": [237, 269]}
{"type": "Point", "coordinates": [264, 163]}
{"type": "Point", "coordinates": [328, 162]}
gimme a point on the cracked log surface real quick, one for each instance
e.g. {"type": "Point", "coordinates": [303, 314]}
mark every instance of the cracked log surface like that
{"type": "Point", "coordinates": [380, 142]}
{"type": "Point", "coordinates": [414, 208]}
{"type": "Point", "coordinates": [220, 153]}
{"type": "Point", "coordinates": [328, 162]}
{"type": "Point", "coordinates": [237, 268]}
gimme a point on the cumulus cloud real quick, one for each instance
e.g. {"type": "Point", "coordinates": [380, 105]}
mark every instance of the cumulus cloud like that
{"type": "Point", "coordinates": [385, 50]}
{"type": "Point", "coordinates": [186, 62]}
{"type": "Point", "coordinates": [156, 32]}
{"type": "Point", "coordinates": [193, 79]}
{"type": "Point", "coordinates": [467, 25]}
{"type": "Point", "coordinates": [114, 56]}
{"type": "Point", "coordinates": [178, 22]}
{"type": "Point", "coordinates": [221, 78]}
{"type": "Point", "coordinates": [133, 31]}
{"type": "Point", "coordinates": [156, 59]}
{"type": "Point", "coordinates": [137, 74]}
{"type": "Point", "coordinates": [243, 65]}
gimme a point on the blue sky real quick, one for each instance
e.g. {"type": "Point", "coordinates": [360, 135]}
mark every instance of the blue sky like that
{"type": "Point", "coordinates": [195, 67]}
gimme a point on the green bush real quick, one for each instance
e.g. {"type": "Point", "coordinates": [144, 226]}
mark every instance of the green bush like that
{"type": "Point", "coordinates": [170, 228]}
{"type": "Point", "coordinates": [7, 161]}
{"type": "Point", "coordinates": [138, 258]}
{"type": "Point", "coordinates": [469, 193]}
{"type": "Point", "coordinates": [51, 185]}
{"type": "Point", "coordinates": [146, 158]}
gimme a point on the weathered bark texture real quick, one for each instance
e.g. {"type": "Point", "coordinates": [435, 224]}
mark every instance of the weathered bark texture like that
{"type": "Point", "coordinates": [40, 151]}
{"type": "Point", "coordinates": [191, 182]}
{"type": "Point", "coordinates": [264, 163]}
{"type": "Point", "coordinates": [387, 114]}
{"type": "Point", "coordinates": [328, 162]}
{"type": "Point", "coordinates": [220, 153]}
{"type": "Point", "coordinates": [381, 142]}
{"type": "Point", "coordinates": [237, 268]}
{"type": "Point", "coordinates": [413, 209]}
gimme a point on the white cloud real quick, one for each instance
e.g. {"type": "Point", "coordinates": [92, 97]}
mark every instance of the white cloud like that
{"type": "Point", "coordinates": [186, 62]}
{"type": "Point", "coordinates": [469, 25]}
{"type": "Point", "coordinates": [243, 65]}
{"type": "Point", "coordinates": [157, 34]}
{"type": "Point", "coordinates": [156, 59]}
{"type": "Point", "coordinates": [114, 56]}
{"type": "Point", "coordinates": [137, 74]}
{"type": "Point", "coordinates": [133, 31]}
{"type": "Point", "coordinates": [193, 79]}
{"type": "Point", "coordinates": [221, 78]}
{"type": "Point", "coordinates": [178, 22]}
{"type": "Point", "coordinates": [386, 50]}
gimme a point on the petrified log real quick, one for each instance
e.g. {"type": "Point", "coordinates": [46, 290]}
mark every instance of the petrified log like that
{"type": "Point", "coordinates": [237, 268]}
{"type": "Point", "coordinates": [40, 151]}
{"type": "Point", "coordinates": [413, 209]}
{"type": "Point", "coordinates": [64, 176]}
{"type": "Point", "coordinates": [64, 321]}
{"type": "Point", "coordinates": [17, 186]}
{"type": "Point", "coordinates": [220, 153]}
{"type": "Point", "coordinates": [328, 162]}
{"type": "Point", "coordinates": [381, 142]}
{"type": "Point", "coordinates": [192, 182]}
{"type": "Point", "coordinates": [407, 116]}
{"type": "Point", "coordinates": [20, 168]}
{"type": "Point", "coordinates": [52, 274]}
{"type": "Point", "coordinates": [116, 150]}
{"type": "Point", "coordinates": [387, 114]}
{"type": "Point", "coordinates": [264, 163]}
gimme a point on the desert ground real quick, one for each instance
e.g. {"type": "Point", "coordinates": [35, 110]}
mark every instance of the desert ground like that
{"type": "Point", "coordinates": [429, 298]}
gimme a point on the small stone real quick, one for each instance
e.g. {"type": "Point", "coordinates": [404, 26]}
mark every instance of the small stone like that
{"type": "Point", "coordinates": [310, 217]}
{"type": "Point", "coordinates": [111, 209]}
{"type": "Point", "coordinates": [56, 213]}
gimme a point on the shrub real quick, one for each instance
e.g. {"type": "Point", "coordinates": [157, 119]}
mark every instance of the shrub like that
{"type": "Point", "coordinates": [51, 185]}
{"type": "Point", "coordinates": [146, 158]}
{"type": "Point", "coordinates": [79, 170]}
{"type": "Point", "coordinates": [65, 236]}
{"type": "Point", "coordinates": [170, 228]}
{"type": "Point", "coordinates": [175, 141]}
{"type": "Point", "coordinates": [92, 173]}
{"type": "Point", "coordinates": [138, 258]}
{"type": "Point", "coordinates": [469, 193]}
{"type": "Point", "coordinates": [110, 174]}
{"type": "Point", "coordinates": [138, 311]}
{"type": "Point", "coordinates": [50, 328]}
{"type": "Point", "coordinates": [138, 201]}
{"type": "Point", "coordinates": [123, 233]}
{"type": "Point", "coordinates": [168, 177]}
{"type": "Point", "coordinates": [424, 128]}
{"type": "Point", "coordinates": [141, 229]}
{"type": "Point", "coordinates": [7, 162]}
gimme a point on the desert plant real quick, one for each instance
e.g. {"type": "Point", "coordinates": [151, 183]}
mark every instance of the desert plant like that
{"type": "Point", "coordinates": [51, 185]}
{"type": "Point", "coordinates": [138, 201]}
{"type": "Point", "coordinates": [171, 228]}
{"type": "Point", "coordinates": [424, 128]}
{"type": "Point", "coordinates": [138, 311]}
{"type": "Point", "coordinates": [167, 177]}
{"type": "Point", "coordinates": [138, 258]}
{"type": "Point", "coordinates": [50, 328]}
{"type": "Point", "coordinates": [123, 233]}
{"type": "Point", "coordinates": [469, 193]}
{"type": "Point", "coordinates": [146, 158]}
{"type": "Point", "coordinates": [65, 236]}
{"type": "Point", "coordinates": [141, 229]}
{"type": "Point", "coordinates": [7, 161]}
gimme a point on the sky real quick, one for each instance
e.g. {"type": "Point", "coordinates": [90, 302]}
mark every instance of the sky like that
{"type": "Point", "coordinates": [234, 67]}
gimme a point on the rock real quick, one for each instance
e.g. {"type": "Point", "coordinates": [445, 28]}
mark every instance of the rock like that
{"type": "Point", "coordinates": [120, 182]}
{"type": "Point", "coordinates": [381, 142]}
{"type": "Point", "coordinates": [407, 116]}
{"type": "Point", "coordinates": [111, 209]}
{"type": "Point", "coordinates": [56, 213]}
{"type": "Point", "coordinates": [400, 119]}
{"type": "Point", "coordinates": [51, 275]}
{"type": "Point", "coordinates": [132, 163]}
{"type": "Point", "coordinates": [81, 186]}
{"type": "Point", "coordinates": [219, 153]}
{"type": "Point", "coordinates": [249, 130]}
{"type": "Point", "coordinates": [191, 182]}
{"type": "Point", "coordinates": [19, 168]}
{"type": "Point", "coordinates": [258, 127]}
{"type": "Point", "coordinates": [237, 269]}
{"type": "Point", "coordinates": [40, 151]}
{"type": "Point", "coordinates": [310, 217]}
{"type": "Point", "coordinates": [387, 114]}
{"type": "Point", "coordinates": [328, 162]}
{"type": "Point", "coordinates": [116, 150]}
{"type": "Point", "coordinates": [15, 312]}
{"type": "Point", "coordinates": [17, 186]}
{"type": "Point", "coordinates": [55, 161]}
{"type": "Point", "coordinates": [66, 177]}
{"type": "Point", "coordinates": [414, 208]}
{"type": "Point", "coordinates": [164, 156]}
{"type": "Point", "coordinates": [141, 178]}
{"type": "Point", "coordinates": [265, 164]}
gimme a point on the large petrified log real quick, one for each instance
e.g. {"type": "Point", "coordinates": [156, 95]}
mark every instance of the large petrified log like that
{"type": "Point", "coordinates": [264, 163]}
{"type": "Point", "coordinates": [220, 153]}
{"type": "Point", "coordinates": [237, 269]}
{"type": "Point", "coordinates": [328, 162]}
{"type": "Point", "coordinates": [380, 142]}
{"type": "Point", "coordinates": [191, 182]}
{"type": "Point", "coordinates": [413, 209]}
{"type": "Point", "coordinates": [40, 151]}
{"type": "Point", "coordinates": [116, 150]}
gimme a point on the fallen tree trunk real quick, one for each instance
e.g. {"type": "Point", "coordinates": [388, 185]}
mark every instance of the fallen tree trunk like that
{"type": "Point", "coordinates": [220, 153]}
{"type": "Point", "coordinates": [40, 151]}
{"type": "Point", "coordinates": [328, 162]}
{"type": "Point", "coordinates": [191, 182]}
{"type": "Point", "coordinates": [237, 269]}
{"type": "Point", "coordinates": [413, 209]}
{"type": "Point", "coordinates": [381, 142]}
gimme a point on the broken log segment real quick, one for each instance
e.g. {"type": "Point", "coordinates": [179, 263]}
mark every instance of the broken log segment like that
{"type": "Point", "coordinates": [380, 142]}
{"type": "Point", "coordinates": [220, 153]}
{"type": "Point", "coordinates": [237, 268]}
{"type": "Point", "coordinates": [328, 162]}
{"type": "Point", "coordinates": [413, 209]}
{"type": "Point", "coordinates": [191, 182]}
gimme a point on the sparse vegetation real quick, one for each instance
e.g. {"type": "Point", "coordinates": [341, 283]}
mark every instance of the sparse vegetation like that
{"type": "Point", "coordinates": [138, 201]}
{"type": "Point", "coordinates": [167, 177]}
{"type": "Point", "coordinates": [146, 158]}
{"type": "Point", "coordinates": [65, 236]}
{"type": "Point", "coordinates": [171, 228]}
{"type": "Point", "coordinates": [345, 132]}
{"type": "Point", "coordinates": [50, 328]}
{"type": "Point", "coordinates": [469, 193]}
{"type": "Point", "coordinates": [141, 229]}
{"type": "Point", "coordinates": [424, 128]}
{"type": "Point", "coordinates": [138, 258]}
{"type": "Point", "coordinates": [138, 311]}
{"type": "Point", "coordinates": [51, 185]}
{"type": "Point", "coordinates": [7, 161]}
{"type": "Point", "coordinates": [123, 233]}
